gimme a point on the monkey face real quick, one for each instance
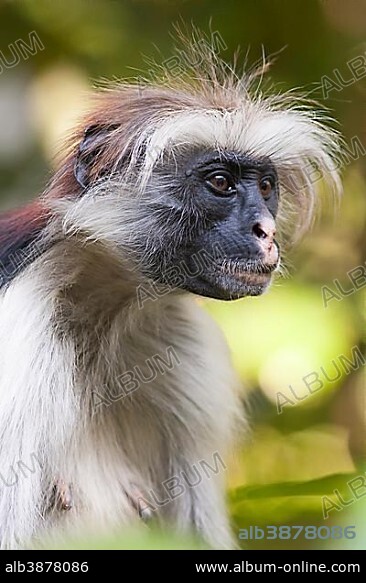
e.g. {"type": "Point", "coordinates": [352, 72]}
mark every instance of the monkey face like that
{"type": "Point", "coordinates": [218, 211]}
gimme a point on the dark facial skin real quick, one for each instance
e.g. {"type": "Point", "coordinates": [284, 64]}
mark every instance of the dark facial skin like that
{"type": "Point", "coordinates": [219, 215]}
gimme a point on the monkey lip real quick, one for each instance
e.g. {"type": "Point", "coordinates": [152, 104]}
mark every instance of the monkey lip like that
{"type": "Point", "coordinates": [252, 278]}
{"type": "Point", "coordinates": [249, 272]}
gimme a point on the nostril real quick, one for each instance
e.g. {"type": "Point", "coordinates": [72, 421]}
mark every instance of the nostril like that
{"type": "Point", "coordinates": [259, 232]}
{"type": "Point", "coordinates": [265, 228]}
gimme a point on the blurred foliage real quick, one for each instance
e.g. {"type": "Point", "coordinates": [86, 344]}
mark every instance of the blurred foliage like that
{"type": "Point", "coordinates": [147, 538]}
{"type": "Point", "coordinates": [289, 461]}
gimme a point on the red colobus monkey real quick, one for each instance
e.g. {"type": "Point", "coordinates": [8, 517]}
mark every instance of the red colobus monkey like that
{"type": "Point", "coordinates": [108, 383]}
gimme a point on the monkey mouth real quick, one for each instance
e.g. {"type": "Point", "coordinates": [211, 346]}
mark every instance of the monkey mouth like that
{"type": "Point", "coordinates": [253, 279]}
{"type": "Point", "coordinates": [238, 278]}
{"type": "Point", "coordinates": [250, 272]}
{"type": "Point", "coordinates": [232, 279]}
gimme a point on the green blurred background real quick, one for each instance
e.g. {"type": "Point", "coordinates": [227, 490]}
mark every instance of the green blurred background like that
{"type": "Point", "coordinates": [317, 443]}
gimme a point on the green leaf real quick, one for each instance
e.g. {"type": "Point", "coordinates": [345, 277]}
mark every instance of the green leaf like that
{"type": "Point", "coordinates": [320, 486]}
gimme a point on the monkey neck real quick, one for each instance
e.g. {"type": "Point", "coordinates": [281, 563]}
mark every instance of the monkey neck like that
{"type": "Point", "coordinates": [93, 286]}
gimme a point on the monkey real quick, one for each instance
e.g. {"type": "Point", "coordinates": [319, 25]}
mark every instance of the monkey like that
{"type": "Point", "coordinates": [113, 378]}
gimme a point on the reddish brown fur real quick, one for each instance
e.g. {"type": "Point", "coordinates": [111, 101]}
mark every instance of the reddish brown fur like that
{"type": "Point", "coordinates": [17, 223]}
{"type": "Point", "coordinates": [116, 115]}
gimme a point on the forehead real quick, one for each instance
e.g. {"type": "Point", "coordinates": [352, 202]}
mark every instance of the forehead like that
{"type": "Point", "coordinates": [202, 159]}
{"type": "Point", "coordinates": [248, 133]}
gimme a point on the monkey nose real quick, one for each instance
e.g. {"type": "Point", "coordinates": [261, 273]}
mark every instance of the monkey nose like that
{"type": "Point", "coordinates": [265, 230]}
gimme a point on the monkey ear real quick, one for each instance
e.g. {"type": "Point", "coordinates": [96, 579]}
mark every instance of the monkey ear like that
{"type": "Point", "coordinates": [90, 146]}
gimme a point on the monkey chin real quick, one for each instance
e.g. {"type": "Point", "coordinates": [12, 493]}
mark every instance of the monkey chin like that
{"type": "Point", "coordinates": [228, 287]}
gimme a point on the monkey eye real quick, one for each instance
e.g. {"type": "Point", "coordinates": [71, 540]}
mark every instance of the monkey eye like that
{"type": "Point", "coordinates": [222, 183]}
{"type": "Point", "coordinates": [266, 185]}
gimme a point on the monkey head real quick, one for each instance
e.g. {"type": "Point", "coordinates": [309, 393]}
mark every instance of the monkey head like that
{"type": "Point", "coordinates": [199, 190]}
{"type": "Point", "coordinates": [219, 213]}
